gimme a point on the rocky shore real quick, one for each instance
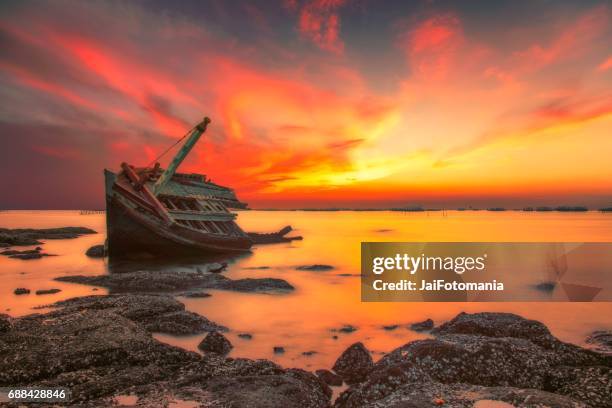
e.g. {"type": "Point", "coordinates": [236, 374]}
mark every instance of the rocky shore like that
{"type": "Point", "coordinates": [102, 346]}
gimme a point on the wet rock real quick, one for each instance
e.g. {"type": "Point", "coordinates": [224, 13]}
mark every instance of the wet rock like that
{"type": "Point", "coordinates": [29, 236]}
{"type": "Point", "coordinates": [217, 267]}
{"type": "Point", "coordinates": [164, 281]}
{"type": "Point", "coordinates": [21, 291]}
{"type": "Point", "coordinates": [47, 291]}
{"type": "Point", "coordinates": [215, 342]}
{"type": "Point", "coordinates": [488, 350]}
{"type": "Point", "coordinates": [422, 326]}
{"type": "Point", "coordinates": [278, 350]}
{"type": "Point", "coordinates": [309, 353]}
{"type": "Point", "coordinates": [257, 268]}
{"type": "Point", "coordinates": [329, 378]}
{"type": "Point", "coordinates": [96, 251]}
{"type": "Point", "coordinates": [12, 252]}
{"type": "Point", "coordinates": [26, 257]}
{"type": "Point", "coordinates": [347, 328]}
{"type": "Point", "coordinates": [197, 294]}
{"type": "Point", "coordinates": [390, 327]}
{"type": "Point", "coordinates": [601, 341]}
{"type": "Point", "coordinates": [156, 313]}
{"type": "Point", "coordinates": [256, 285]}
{"type": "Point", "coordinates": [245, 336]}
{"type": "Point", "coordinates": [315, 267]}
{"type": "Point", "coordinates": [99, 354]}
{"type": "Point", "coordinates": [396, 391]}
{"type": "Point", "coordinates": [5, 322]}
{"type": "Point", "coordinates": [354, 363]}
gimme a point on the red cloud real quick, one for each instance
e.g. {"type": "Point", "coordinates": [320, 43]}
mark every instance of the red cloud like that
{"type": "Point", "coordinates": [319, 22]}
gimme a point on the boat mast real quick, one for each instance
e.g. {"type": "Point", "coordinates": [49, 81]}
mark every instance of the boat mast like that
{"type": "Point", "coordinates": [180, 155]}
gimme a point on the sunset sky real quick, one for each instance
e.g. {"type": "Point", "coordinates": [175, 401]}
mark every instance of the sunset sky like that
{"type": "Point", "coordinates": [354, 103]}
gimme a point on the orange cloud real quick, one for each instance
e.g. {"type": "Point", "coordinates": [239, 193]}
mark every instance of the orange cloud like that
{"type": "Point", "coordinates": [605, 65]}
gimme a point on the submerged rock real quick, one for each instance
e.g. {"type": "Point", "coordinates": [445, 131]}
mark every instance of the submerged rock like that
{"type": "Point", "coordinates": [26, 257]}
{"type": "Point", "coordinates": [47, 291]}
{"type": "Point", "coordinates": [30, 236]}
{"type": "Point", "coordinates": [215, 342]}
{"type": "Point", "coordinates": [278, 350]}
{"type": "Point", "coordinates": [21, 291]}
{"type": "Point", "coordinates": [354, 363]}
{"type": "Point", "coordinates": [329, 378]}
{"type": "Point", "coordinates": [347, 328]}
{"type": "Point", "coordinates": [315, 267]}
{"type": "Point", "coordinates": [245, 336]}
{"type": "Point", "coordinates": [197, 294]}
{"type": "Point", "coordinates": [162, 281]}
{"type": "Point", "coordinates": [96, 251]}
{"type": "Point", "coordinates": [422, 326]}
{"type": "Point", "coordinates": [309, 353]}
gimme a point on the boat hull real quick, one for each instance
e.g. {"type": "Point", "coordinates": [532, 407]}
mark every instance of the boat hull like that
{"type": "Point", "coordinates": [131, 232]}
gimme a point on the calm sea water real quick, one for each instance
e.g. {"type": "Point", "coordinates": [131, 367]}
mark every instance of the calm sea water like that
{"type": "Point", "coordinates": [303, 320]}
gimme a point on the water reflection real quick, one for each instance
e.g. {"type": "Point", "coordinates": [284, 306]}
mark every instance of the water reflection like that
{"type": "Point", "coordinates": [323, 300]}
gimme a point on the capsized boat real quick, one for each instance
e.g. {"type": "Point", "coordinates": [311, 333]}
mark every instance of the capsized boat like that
{"type": "Point", "coordinates": [160, 211]}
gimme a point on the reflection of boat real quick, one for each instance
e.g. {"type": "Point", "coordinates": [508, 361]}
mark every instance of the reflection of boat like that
{"type": "Point", "coordinates": [160, 211]}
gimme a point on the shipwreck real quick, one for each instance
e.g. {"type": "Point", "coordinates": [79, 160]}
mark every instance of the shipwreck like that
{"type": "Point", "coordinates": [162, 212]}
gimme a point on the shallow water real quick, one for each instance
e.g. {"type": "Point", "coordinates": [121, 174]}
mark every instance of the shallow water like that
{"type": "Point", "coordinates": [303, 320]}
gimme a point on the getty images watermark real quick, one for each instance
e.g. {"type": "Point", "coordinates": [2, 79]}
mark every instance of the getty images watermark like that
{"type": "Point", "coordinates": [476, 271]}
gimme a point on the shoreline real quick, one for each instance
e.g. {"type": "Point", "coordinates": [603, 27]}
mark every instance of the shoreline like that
{"type": "Point", "coordinates": [115, 335]}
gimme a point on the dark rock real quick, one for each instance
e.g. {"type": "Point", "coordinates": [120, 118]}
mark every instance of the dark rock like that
{"type": "Point", "coordinates": [497, 325]}
{"type": "Point", "coordinates": [347, 328]}
{"type": "Point", "coordinates": [335, 337]}
{"type": "Point", "coordinates": [390, 327]}
{"type": "Point", "coordinates": [99, 354]}
{"type": "Point", "coordinates": [279, 350]}
{"type": "Point", "coordinates": [422, 326]}
{"type": "Point", "coordinates": [329, 378]}
{"type": "Point", "coordinates": [215, 342]}
{"type": "Point", "coordinates": [12, 252]}
{"type": "Point", "coordinates": [217, 267]}
{"type": "Point", "coordinates": [354, 363]}
{"type": "Point", "coordinates": [291, 388]}
{"type": "Point", "coordinates": [156, 313]}
{"type": "Point", "coordinates": [47, 291]}
{"type": "Point", "coordinates": [5, 323]}
{"type": "Point", "coordinates": [601, 340]}
{"type": "Point", "coordinates": [315, 267]}
{"type": "Point", "coordinates": [96, 251]}
{"type": "Point", "coordinates": [245, 336]}
{"type": "Point", "coordinates": [490, 350]}
{"type": "Point", "coordinates": [406, 391]}
{"type": "Point", "coordinates": [309, 353]}
{"type": "Point", "coordinates": [26, 257]}
{"type": "Point", "coordinates": [29, 236]}
{"type": "Point", "coordinates": [197, 294]}
{"type": "Point", "coordinates": [257, 268]}
{"type": "Point", "coordinates": [256, 285]}
{"type": "Point", "coordinates": [21, 291]}
{"type": "Point", "coordinates": [162, 281]}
